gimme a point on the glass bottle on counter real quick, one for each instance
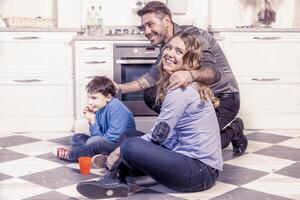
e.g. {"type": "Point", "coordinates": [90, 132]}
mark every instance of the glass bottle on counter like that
{"type": "Point", "coordinates": [265, 12]}
{"type": "Point", "coordinates": [92, 21]}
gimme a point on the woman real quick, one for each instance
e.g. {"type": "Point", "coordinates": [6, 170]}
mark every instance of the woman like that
{"type": "Point", "coordinates": [183, 150]}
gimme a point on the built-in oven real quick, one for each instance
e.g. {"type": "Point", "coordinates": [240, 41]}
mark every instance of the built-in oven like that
{"type": "Point", "coordinates": [130, 62]}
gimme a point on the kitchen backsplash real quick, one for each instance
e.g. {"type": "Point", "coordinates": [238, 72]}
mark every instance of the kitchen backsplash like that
{"type": "Point", "coordinates": [203, 13]}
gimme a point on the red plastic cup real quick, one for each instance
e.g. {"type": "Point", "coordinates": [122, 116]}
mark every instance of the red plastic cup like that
{"type": "Point", "coordinates": [85, 164]}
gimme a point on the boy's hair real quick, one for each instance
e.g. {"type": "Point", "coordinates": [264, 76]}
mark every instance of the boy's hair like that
{"type": "Point", "coordinates": [101, 84]}
{"type": "Point", "coordinates": [157, 7]}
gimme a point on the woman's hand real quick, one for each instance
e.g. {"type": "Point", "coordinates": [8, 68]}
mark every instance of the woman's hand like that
{"type": "Point", "coordinates": [180, 79]}
{"type": "Point", "coordinates": [112, 158]}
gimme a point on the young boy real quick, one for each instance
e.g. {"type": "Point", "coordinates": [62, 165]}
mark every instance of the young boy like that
{"type": "Point", "coordinates": [108, 118]}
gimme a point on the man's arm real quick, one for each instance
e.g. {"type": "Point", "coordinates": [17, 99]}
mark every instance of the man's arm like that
{"type": "Point", "coordinates": [137, 85]}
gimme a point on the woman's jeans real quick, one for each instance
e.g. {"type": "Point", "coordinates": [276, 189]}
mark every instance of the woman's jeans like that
{"type": "Point", "coordinates": [85, 145]}
{"type": "Point", "coordinates": [169, 168]}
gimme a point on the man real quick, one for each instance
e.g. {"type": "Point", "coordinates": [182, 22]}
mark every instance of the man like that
{"type": "Point", "coordinates": [158, 28]}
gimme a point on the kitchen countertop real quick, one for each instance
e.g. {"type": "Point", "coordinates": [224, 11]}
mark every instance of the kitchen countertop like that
{"type": "Point", "coordinates": [139, 37]}
{"type": "Point", "coordinates": [10, 29]}
{"type": "Point", "coordinates": [213, 30]}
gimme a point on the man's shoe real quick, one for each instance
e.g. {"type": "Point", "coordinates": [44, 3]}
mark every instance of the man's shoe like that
{"type": "Point", "coordinates": [239, 141]}
{"type": "Point", "coordinates": [145, 181]}
{"type": "Point", "coordinates": [109, 186]}
{"type": "Point", "coordinates": [99, 160]}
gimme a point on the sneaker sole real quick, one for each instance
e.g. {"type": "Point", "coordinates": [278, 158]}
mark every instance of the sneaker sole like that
{"type": "Point", "coordinates": [94, 190]}
{"type": "Point", "coordinates": [97, 164]}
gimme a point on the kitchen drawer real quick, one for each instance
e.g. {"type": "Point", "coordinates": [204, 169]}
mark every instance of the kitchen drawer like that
{"type": "Point", "coordinates": [263, 53]}
{"type": "Point", "coordinates": [35, 53]}
{"type": "Point", "coordinates": [92, 63]}
{"type": "Point", "coordinates": [93, 48]}
{"type": "Point", "coordinates": [87, 76]}
{"type": "Point", "coordinates": [36, 103]}
{"type": "Point", "coordinates": [270, 101]}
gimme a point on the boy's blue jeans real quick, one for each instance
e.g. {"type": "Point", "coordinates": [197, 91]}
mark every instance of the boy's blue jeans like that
{"type": "Point", "coordinates": [85, 145]}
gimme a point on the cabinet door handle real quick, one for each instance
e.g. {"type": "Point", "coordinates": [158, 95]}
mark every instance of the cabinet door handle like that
{"type": "Point", "coordinates": [266, 38]}
{"type": "Point", "coordinates": [95, 62]}
{"type": "Point", "coordinates": [89, 77]}
{"type": "Point", "coordinates": [265, 79]}
{"type": "Point", "coordinates": [28, 80]}
{"type": "Point", "coordinates": [27, 38]}
{"type": "Point", "coordinates": [95, 48]}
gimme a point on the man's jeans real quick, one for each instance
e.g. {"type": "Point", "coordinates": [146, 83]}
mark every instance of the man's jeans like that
{"type": "Point", "coordinates": [85, 145]}
{"type": "Point", "coordinates": [169, 168]}
{"type": "Point", "coordinates": [226, 112]}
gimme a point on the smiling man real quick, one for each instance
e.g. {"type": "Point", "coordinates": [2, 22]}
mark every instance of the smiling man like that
{"type": "Point", "coordinates": [156, 20]}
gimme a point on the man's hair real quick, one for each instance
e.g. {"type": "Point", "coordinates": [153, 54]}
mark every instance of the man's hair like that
{"type": "Point", "coordinates": [102, 85]}
{"type": "Point", "coordinates": [157, 7]}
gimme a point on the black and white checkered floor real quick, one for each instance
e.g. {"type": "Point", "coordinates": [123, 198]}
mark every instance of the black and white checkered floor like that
{"type": "Point", "coordinates": [270, 169]}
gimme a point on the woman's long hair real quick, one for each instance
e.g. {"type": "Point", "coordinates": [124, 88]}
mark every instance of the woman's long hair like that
{"type": "Point", "coordinates": [191, 61]}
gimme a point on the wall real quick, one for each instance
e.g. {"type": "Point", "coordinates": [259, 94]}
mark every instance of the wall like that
{"type": "Point", "coordinates": [231, 13]}
{"type": "Point", "coordinates": [119, 12]}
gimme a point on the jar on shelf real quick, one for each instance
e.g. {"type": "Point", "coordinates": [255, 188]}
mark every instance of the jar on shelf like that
{"type": "Point", "coordinates": [266, 14]}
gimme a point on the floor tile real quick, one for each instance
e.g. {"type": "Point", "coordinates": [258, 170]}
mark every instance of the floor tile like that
{"type": "Point", "coordinates": [53, 195]}
{"type": "Point", "coordinates": [218, 189]}
{"type": "Point", "coordinates": [288, 132]}
{"type": "Point", "coordinates": [15, 189]}
{"type": "Point", "coordinates": [7, 155]}
{"type": "Point", "coordinates": [291, 171]}
{"type": "Point", "coordinates": [149, 194]}
{"type": "Point", "coordinates": [58, 177]}
{"type": "Point", "coordinates": [26, 166]}
{"type": "Point", "coordinates": [49, 135]}
{"type": "Point", "coordinates": [239, 175]}
{"type": "Point", "coordinates": [71, 191]}
{"type": "Point", "coordinates": [255, 146]}
{"type": "Point", "coordinates": [40, 147]}
{"type": "Point", "coordinates": [260, 162]}
{"type": "Point", "coordinates": [50, 157]}
{"type": "Point", "coordinates": [277, 185]}
{"type": "Point", "coordinates": [281, 152]}
{"type": "Point", "coordinates": [267, 138]}
{"type": "Point", "coordinates": [295, 143]}
{"type": "Point", "coordinates": [62, 140]}
{"type": "Point", "coordinates": [15, 140]}
{"type": "Point", "coordinates": [247, 194]}
{"type": "Point", "coordinates": [4, 177]}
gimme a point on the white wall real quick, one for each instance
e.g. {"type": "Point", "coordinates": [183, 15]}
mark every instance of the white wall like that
{"type": "Point", "coordinates": [119, 12]}
{"type": "Point", "coordinates": [26, 8]}
{"type": "Point", "coordinates": [231, 13]}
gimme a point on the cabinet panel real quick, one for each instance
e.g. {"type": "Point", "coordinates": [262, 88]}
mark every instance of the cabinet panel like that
{"type": "Point", "coordinates": [35, 53]}
{"type": "Point", "coordinates": [267, 68]}
{"type": "Point", "coordinates": [86, 48]}
{"type": "Point", "coordinates": [36, 99]}
{"type": "Point", "coordinates": [92, 63]}
{"type": "Point", "coordinates": [263, 54]}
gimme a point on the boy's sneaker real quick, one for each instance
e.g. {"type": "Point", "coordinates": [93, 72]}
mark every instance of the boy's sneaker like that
{"type": "Point", "coordinates": [239, 141]}
{"type": "Point", "coordinates": [99, 160]}
{"type": "Point", "coordinates": [62, 152]}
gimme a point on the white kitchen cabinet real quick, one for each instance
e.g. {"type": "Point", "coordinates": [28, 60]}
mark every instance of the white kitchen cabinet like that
{"type": "Point", "coordinates": [92, 58]}
{"type": "Point", "coordinates": [267, 68]}
{"type": "Point", "coordinates": [36, 81]}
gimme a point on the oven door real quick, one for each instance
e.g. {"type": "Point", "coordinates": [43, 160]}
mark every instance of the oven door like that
{"type": "Point", "coordinates": [129, 70]}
